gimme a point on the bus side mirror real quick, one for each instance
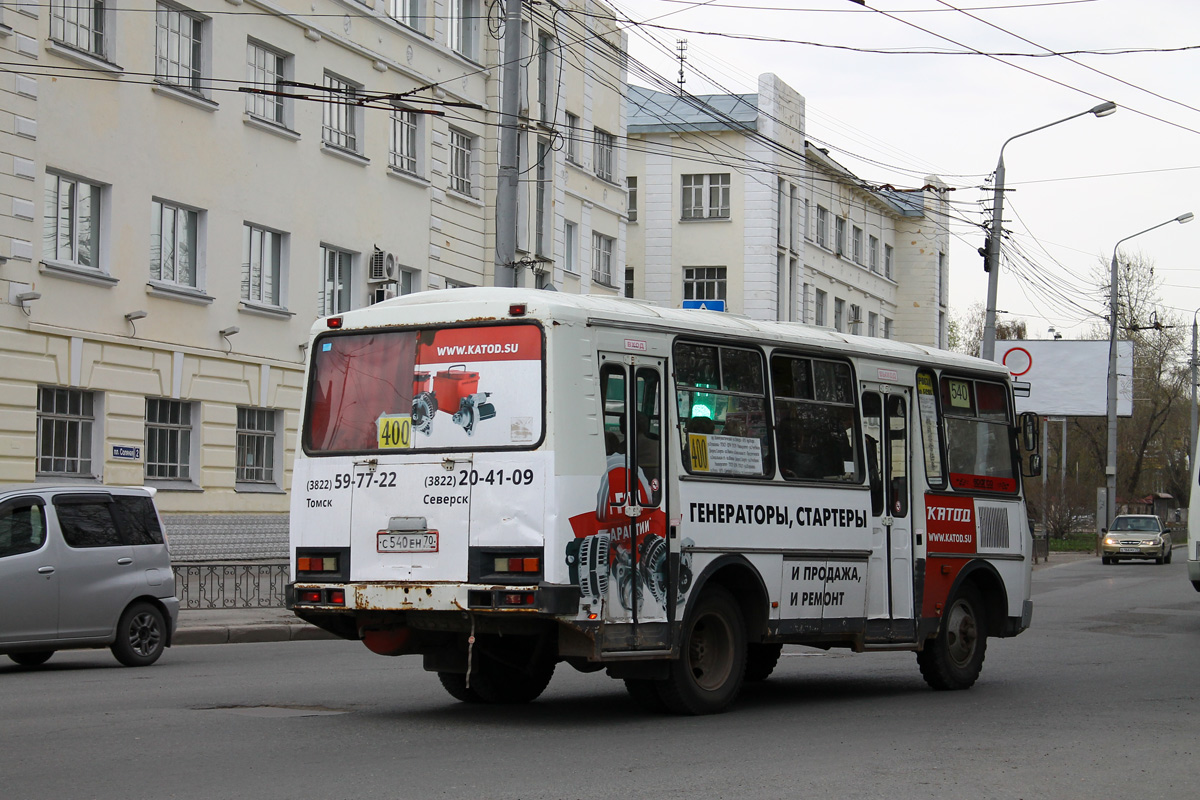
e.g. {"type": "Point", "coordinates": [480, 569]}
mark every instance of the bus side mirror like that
{"type": "Point", "coordinates": [1030, 423]}
{"type": "Point", "coordinates": [1035, 465]}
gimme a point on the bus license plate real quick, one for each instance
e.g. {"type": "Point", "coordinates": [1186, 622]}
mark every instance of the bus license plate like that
{"type": "Point", "coordinates": [426, 542]}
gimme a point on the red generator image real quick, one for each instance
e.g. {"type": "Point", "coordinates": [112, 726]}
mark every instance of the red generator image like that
{"type": "Point", "coordinates": [452, 385]}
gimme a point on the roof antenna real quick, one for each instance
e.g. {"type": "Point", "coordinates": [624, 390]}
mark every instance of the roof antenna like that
{"type": "Point", "coordinates": [681, 46]}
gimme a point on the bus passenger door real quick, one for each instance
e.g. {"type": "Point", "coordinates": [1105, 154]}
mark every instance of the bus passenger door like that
{"type": "Point", "coordinates": [886, 441]}
{"type": "Point", "coordinates": [634, 499]}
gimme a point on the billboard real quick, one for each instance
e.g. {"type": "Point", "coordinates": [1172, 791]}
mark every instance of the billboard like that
{"type": "Point", "coordinates": [1067, 378]}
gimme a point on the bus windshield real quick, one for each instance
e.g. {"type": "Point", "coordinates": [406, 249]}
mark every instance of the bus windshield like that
{"type": "Point", "coordinates": [382, 390]}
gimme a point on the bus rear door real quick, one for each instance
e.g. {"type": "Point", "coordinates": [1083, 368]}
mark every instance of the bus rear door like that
{"type": "Point", "coordinates": [886, 434]}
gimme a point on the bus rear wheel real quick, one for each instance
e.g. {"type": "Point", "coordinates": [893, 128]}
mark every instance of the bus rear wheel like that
{"type": "Point", "coordinates": [707, 676]}
{"type": "Point", "coordinates": [505, 671]}
{"type": "Point", "coordinates": [954, 658]}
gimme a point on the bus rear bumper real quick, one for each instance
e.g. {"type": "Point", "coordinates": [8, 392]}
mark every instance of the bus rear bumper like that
{"type": "Point", "coordinates": [544, 599]}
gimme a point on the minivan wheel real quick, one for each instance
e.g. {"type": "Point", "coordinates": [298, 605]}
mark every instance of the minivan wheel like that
{"type": "Point", "coordinates": [141, 636]}
{"type": "Point", "coordinates": [34, 658]}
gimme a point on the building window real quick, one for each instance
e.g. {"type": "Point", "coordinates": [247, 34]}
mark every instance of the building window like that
{"type": "Point", "coordinates": [545, 75]}
{"type": "Point", "coordinates": [572, 125]}
{"type": "Point", "coordinates": [179, 54]}
{"type": "Point", "coordinates": [704, 283]}
{"type": "Point", "coordinates": [706, 196]}
{"type": "Point", "coordinates": [602, 256]}
{"type": "Point", "coordinates": [887, 328]}
{"type": "Point", "coordinates": [629, 282]}
{"type": "Point", "coordinates": [265, 69]}
{"type": "Point", "coordinates": [335, 281]}
{"type": "Point", "coordinates": [542, 212]}
{"type": "Point", "coordinates": [808, 233]}
{"type": "Point", "coordinates": [64, 431]}
{"type": "Point", "coordinates": [605, 143]}
{"type": "Point", "coordinates": [407, 12]}
{"type": "Point", "coordinates": [461, 162]}
{"type": "Point", "coordinates": [887, 261]}
{"type": "Point", "coordinates": [463, 27]}
{"type": "Point", "coordinates": [819, 304]}
{"type": "Point", "coordinates": [80, 24]}
{"type": "Point", "coordinates": [174, 236]}
{"type": "Point", "coordinates": [403, 150]}
{"type": "Point", "coordinates": [793, 218]}
{"type": "Point", "coordinates": [168, 439]}
{"type": "Point", "coordinates": [631, 199]}
{"type": "Point", "coordinates": [342, 116]}
{"type": "Point", "coordinates": [570, 247]}
{"type": "Point", "coordinates": [262, 265]}
{"type": "Point", "coordinates": [839, 314]}
{"type": "Point", "coordinates": [839, 235]}
{"type": "Point", "coordinates": [256, 445]}
{"type": "Point", "coordinates": [872, 324]}
{"type": "Point", "coordinates": [71, 230]}
{"type": "Point", "coordinates": [856, 242]}
{"type": "Point", "coordinates": [822, 227]}
{"type": "Point", "coordinates": [873, 253]}
{"type": "Point", "coordinates": [855, 319]}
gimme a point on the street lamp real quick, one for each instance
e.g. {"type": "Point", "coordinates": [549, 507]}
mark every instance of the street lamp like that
{"type": "Point", "coordinates": [1110, 471]}
{"type": "Point", "coordinates": [1192, 441]}
{"type": "Point", "coordinates": [993, 242]}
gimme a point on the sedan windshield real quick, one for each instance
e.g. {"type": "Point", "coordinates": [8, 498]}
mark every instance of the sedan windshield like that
{"type": "Point", "coordinates": [1145, 524]}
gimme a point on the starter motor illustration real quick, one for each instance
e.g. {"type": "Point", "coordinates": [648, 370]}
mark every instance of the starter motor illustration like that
{"type": "Point", "coordinates": [455, 390]}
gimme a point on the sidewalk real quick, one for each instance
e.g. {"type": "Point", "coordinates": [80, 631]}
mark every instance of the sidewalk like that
{"type": "Point", "coordinates": [242, 625]}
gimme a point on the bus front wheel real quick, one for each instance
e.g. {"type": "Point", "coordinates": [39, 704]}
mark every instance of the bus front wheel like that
{"type": "Point", "coordinates": [953, 658]}
{"type": "Point", "coordinates": [708, 674]}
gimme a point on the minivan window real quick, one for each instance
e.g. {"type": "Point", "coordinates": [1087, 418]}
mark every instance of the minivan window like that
{"type": "Point", "coordinates": [87, 524]}
{"type": "Point", "coordinates": [22, 528]}
{"type": "Point", "coordinates": [138, 520]}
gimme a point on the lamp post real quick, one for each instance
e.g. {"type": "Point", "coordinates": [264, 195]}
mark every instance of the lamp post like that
{"type": "Point", "coordinates": [1192, 440]}
{"type": "Point", "coordinates": [1110, 471]}
{"type": "Point", "coordinates": [988, 349]}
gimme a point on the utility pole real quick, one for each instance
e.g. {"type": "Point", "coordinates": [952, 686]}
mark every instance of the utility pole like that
{"type": "Point", "coordinates": [509, 183]}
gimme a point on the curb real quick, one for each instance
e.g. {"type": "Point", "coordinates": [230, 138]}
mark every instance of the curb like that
{"type": "Point", "coordinates": [245, 634]}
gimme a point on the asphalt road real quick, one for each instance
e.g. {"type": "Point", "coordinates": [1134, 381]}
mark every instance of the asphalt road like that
{"type": "Point", "coordinates": [1098, 700]}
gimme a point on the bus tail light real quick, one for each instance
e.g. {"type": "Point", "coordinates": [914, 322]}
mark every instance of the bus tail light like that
{"type": "Point", "coordinates": [518, 599]}
{"type": "Point", "coordinates": [516, 310]}
{"type": "Point", "coordinates": [509, 564]}
{"type": "Point", "coordinates": [334, 322]}
{"type": "Point", "coordinates": [316, 564]}
{"type": "Point", "coordinates": [308, 596]}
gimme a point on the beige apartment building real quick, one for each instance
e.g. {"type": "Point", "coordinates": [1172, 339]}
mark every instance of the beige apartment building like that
{"type": "Point", "coordinates": [182, 194]}
{"type": "Point", "coordinates": [730, 203]}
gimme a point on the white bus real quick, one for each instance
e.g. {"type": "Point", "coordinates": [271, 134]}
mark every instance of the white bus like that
{"type": "Point", "coordinates": [1193, 523]}
{"type": "Point", "coordinates": [502, 480]}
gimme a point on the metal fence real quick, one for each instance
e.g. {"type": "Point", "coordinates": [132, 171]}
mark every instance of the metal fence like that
{"type": "Point", "coordinates": [230, 585]}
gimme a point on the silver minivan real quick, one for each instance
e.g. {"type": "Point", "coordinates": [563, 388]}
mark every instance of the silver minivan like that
{"type": "Point", "coordinates": [84, 566]}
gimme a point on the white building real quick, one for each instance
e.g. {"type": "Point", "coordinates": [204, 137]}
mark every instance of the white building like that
{"type": "Point", "coordinates": [182, 233]}
{"type": "Point", "coordinates": [729, 202]}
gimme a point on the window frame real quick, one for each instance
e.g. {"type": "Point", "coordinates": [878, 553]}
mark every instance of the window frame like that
{"type": "Point", "coordinates": [279, 270]}
{"type": "Point", "coordinates": [266, 441]}
{"type": "Point", "coordinates": [81, 431]}
{"type": "Point", "coordinates": [723, 389]}
{"type": "Point", "coordinates": [96, 214]}
{"type": "Point", "coordinates": [603, 154]}
{"type": "Point", "coordinates": [571, 123]}
{"type": "Point", "coordinates": [179, 436]}
{"type": "Point", "coordinates": [974, 483]}
{"type": "Point", "coordinates": [341, 122]}
{"type": "Point", "coordinates": [786, 409]}
{"type": "Point", "coordinates": [406, 141]}
{"type": "Point", "coordinates": [603, 250]}
{"type": "Point", "coordinates": [856, 244]}
{"type": "Point", "coordinates": [631, 198]}
{"type": "Point", "coordinates": [462, 159]}
{"type": "Point", "coordinates": [462, 28]}
{"type": "Point", "coordinates": [714, 196]}
{"type": "Point", "coordinates": [822, 227]}
{"type": "Point", "coordinates": [281, 107]}
{"type": "Point", "coordinates": [888, 258]}
{"type": "Point", "coordinates": [336, 295]}
{"type": "Point", "coordinates": [699, 277]}
{"type": "Point", "coordinates": [158, 213]}
{"type": "Point", "coordinates": [820, 301]}
{"type": "Point", "coordinates": [169, 24]}
{"type": "Point", "coordinates": [406, 12]}
{"type": "Point", "coordinates": [98, 35]}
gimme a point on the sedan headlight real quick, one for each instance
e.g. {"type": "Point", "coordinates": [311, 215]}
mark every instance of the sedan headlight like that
{"type": "Point", "coordinates": [1108, 540]}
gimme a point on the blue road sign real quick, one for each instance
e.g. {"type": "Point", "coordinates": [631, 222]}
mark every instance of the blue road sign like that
{"type": "Point", "coordinates": [711, 305]}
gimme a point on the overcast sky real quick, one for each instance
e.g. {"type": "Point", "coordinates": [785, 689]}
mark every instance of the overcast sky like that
{"type": "Point", "coordinates": [1075, 189]}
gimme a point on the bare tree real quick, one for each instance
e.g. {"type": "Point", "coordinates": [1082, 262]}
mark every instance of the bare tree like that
{"type": "Point", "coordinates": [966, 329]}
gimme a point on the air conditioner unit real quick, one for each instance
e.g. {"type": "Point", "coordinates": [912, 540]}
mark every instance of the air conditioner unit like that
{"type": "Point", "coordinates": [382, 268]}
{"type": "Point", "coordinates": [383, 292]}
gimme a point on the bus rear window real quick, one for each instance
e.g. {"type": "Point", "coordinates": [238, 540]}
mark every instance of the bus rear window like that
{"type": "Point", "coordinates": [403, 390]}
